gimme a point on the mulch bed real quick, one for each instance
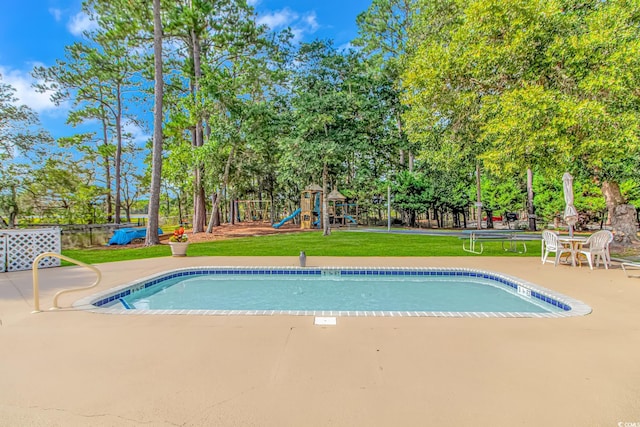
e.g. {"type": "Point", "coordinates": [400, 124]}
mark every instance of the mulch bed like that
{"type": "Point", "coordinates": [224, 231]}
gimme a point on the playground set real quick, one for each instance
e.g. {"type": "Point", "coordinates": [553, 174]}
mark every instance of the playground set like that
{"type": "Point", "coordinates": [310, 209]}
{"type": "Point", "coordinates": [340, 214]}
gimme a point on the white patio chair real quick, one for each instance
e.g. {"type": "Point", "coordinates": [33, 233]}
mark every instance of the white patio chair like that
{"type": "Point", "coordinates": [550, 244]}
{"type": "Point", "coordinates": [596, 248]}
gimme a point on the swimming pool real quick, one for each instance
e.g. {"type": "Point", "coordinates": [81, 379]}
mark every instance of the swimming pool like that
{"type": "Point", "coordinates": [335, 292]}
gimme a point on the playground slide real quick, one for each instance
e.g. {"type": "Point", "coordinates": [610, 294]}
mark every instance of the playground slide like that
{"type": "Point", "coordinates": [289, 218]}
{"type": "Point", "coordinates": [350, 219]}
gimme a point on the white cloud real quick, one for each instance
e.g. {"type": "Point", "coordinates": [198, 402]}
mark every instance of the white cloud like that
{"type": "Point", "coordinates": [278, 19]}
{"type": "Point", "coordinates": [79, 23]}
{"type": "Point", "coordinates": [300, 25]}
{"type": "Point", "coordinates": [138, 135]}
{"type": "Point", "coordinates": [311, 21]}
{"type": "Point", "coordinates": [346, 47]}
{"type": "Point", "coordinates": [298, 34]}
{"type": "Point", "coordinates": [26, 94]}
{"type": "Point", "coordinates": [308, 24]}
{"type": "Point", "coordinates": [57, 13]}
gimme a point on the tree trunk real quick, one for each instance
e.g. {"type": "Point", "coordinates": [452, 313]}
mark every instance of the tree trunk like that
{"type": "Point", "coordinates": [489, 218]}
{"type": "Point", "coordinates": [612, 197]}
{"type": "Point", "coordinates": [325, 203]}
{"type": "Point", "coordinates": [478, 197]}
{"type": "Point", "coordinates": [156, 165]}
{"type": "Point", "coordinates": [199, 208]}
{"type": "Point", "coordinates": [399, 128]}
{"type": "Point", "coordinates": [107, 167]}
{"type": "Point", "coordinates": [214, 218]}
{"type": "Point", "coordinates": [625, 225]}
{"type": "Point", "coordinates": [232, 211]}
{"type": "Point", "coordinates": [223, 211]}
{"type": "Point", "coordinates": [622, 217]}
{"type": "Point", "coordinates": [118, 161]}
{"type": "Point", "coordinates": [531, 209]}
{"type": "Point", "coordinates": [167, 210]}
{"type": "Point", "coordinates": [215, 209]}
{"type": "Point", "coordinates": [13, 212]}
{"type": "Point", "coordinates": [272, 208]}
{"type": "Point", "coordinates": [412, 218]}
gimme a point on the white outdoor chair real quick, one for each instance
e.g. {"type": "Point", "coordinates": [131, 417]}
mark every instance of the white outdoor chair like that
{"type": "Point", "coordinates": [596, 248]}
{"type": "Point", "coordinates": [550, 244]}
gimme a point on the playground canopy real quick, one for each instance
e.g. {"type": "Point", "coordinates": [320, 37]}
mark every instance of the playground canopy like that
{"type": "Point", "coordinates": [336, 195]}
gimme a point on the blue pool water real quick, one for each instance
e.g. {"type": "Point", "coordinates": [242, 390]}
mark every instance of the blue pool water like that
{"type": "Point", "coordinates": [348, 290]}
{"type": "Point", "coordinates": [333, 294]}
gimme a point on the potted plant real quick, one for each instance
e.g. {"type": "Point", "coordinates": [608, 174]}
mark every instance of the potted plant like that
{"type": "Point", "coordinates": [178, 242]}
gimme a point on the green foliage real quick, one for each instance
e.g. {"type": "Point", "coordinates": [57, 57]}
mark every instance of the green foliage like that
{"type": "Point", "coordinates": [384, 31]}
{"type": "Point", "coordinates": [22, 137]}
{"type": "Point", "coordinates": [500, 196]}
{"type": "Point", "coordinates": [536, 84]}
{"type": "Point", "coordinates": [549, 86]}
{"type": "Point", "coordinates": [224, 67]}
{"type": "Point", "coordinates": [631, 191]}
{"type": "Point", "coordinates": [62, 191]}
{"type": "Point", "coordinates": [339, 115]}
{"type": "Point", "coordinates": [413, 193]}
{"type": "Point", "coordinates": [98, 77]}
{"type": "Point", "coordinates": [549, 199]}
{"type": "Point", "coordinates": [19, 131]}
{"type": "Point", "coordinates": [322, 113]}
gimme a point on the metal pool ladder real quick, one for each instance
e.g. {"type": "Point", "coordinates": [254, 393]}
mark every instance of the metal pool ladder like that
{"type": "Point", "coordinates": [36, 287]}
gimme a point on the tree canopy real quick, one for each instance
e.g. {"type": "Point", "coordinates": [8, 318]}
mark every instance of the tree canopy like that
{"type": "Point", "coordinates": [525, 89]}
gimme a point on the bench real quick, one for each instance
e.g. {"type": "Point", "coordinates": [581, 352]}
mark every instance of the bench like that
{"type": "Point", "coordinates": [630, 268]}
{"type": "Point", "coordinates": [512, 237]}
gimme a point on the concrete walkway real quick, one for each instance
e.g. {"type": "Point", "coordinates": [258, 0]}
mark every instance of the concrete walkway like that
{"type": "Point", "coordinates": [74, 368]}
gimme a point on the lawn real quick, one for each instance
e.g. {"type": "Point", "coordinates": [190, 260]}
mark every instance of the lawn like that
{"type": "Point", "coordinates": [314, 244]}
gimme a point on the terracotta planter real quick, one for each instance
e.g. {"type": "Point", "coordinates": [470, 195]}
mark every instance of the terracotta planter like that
{"type": "Point", "coordinates": [179, 248]}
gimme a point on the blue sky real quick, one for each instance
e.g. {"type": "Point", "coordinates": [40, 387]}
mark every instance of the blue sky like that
{"type": "Point", "coordinates": [35, 32]}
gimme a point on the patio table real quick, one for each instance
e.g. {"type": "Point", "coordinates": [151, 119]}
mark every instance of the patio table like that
{"type": "Point", "coordinates": [475, 237]}
{"type": "Point", "coordinates": [574, 243]}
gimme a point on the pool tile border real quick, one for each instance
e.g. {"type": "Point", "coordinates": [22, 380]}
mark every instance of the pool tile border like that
{"type": "Point", "coordinates": [570, 307]}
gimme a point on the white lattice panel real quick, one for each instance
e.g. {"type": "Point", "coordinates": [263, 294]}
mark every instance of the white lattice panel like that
{"type": "Point", "coordinates": [3, 253]}
{"type": "Point", "coordinates": [24, 245]}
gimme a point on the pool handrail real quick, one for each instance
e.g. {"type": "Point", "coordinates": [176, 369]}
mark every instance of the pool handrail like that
{"type": "Point", "coordinates": [36, 285]}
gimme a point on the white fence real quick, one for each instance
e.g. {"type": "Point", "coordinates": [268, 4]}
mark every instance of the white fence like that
{"type": "Point", "coordinates": [18, 248]}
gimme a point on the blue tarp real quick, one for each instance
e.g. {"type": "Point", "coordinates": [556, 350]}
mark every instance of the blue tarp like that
{"type": "Point", "coordinates": [126, 235]}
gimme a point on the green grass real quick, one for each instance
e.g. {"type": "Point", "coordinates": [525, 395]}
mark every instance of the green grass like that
{"type": "Point", "coordinates": [313, 243]}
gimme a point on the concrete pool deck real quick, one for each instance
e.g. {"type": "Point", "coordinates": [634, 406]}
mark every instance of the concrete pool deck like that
{"type": "Point", "coordinates": [75, 368]}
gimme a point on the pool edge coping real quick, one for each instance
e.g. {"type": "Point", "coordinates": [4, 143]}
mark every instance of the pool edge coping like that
{"type": "Point", "coordinates": [578, 308]}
